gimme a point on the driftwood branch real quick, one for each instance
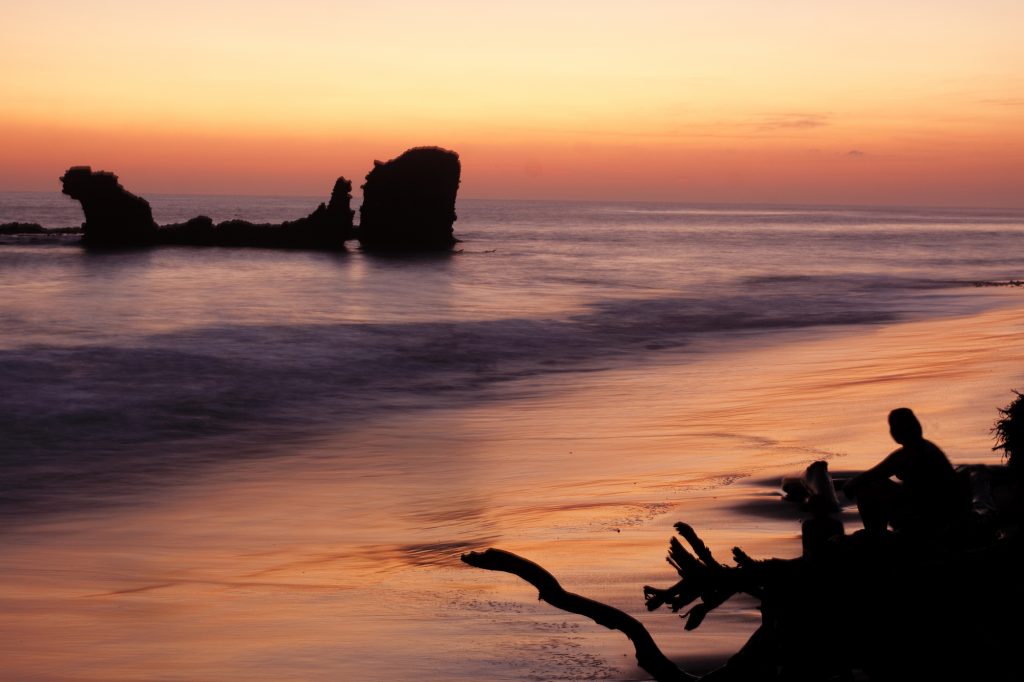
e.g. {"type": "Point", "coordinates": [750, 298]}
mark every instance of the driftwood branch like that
{"type": "Point", "coordinates": [703, 576]}
{"type": "Point", "coordinates": [648, 655]}
{"type": "Point", "coordinates": [703, 553]}
{"type": "Point", "coordinates": [848, 606]}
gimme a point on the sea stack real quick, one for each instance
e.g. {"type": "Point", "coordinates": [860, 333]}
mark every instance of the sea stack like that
{"type": "Point", "coordinates": [409, 202]}
{"type": "Point", "coordinates": [329, 225]}
{"type": "Point", "coordinates": [113, 215]}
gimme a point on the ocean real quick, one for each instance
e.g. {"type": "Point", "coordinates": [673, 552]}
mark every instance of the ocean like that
{"type": "Point", "coordinates": [246, 464]}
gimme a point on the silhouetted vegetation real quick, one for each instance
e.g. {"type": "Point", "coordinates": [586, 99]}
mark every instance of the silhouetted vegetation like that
{"type": "Point", "coordinates": [1009, 431]}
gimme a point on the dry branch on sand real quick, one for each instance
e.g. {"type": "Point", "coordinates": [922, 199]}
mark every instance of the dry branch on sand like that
{"type": "Point", "coordinates": [890, 607]}
{"type": "Point", "coordinates": [883, 605]}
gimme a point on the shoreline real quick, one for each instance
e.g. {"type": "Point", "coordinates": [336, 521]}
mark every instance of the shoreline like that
{"type": "Point", "coordinates": [348, 556]}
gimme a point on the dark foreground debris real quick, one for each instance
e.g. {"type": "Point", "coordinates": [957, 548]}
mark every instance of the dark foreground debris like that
{"type": "Point", "coordinates": [936, 604]}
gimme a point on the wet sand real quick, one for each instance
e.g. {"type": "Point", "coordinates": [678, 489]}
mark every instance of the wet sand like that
{"type": "Point", "coordinates": [340, 561]}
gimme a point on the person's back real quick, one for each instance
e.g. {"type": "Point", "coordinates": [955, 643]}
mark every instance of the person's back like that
{"type": "Point", "coordinates": [928, 478]}
{"type": "Point", "coordinates": [931, 494]}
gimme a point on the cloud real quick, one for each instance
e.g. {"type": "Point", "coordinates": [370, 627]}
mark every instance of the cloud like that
{"type": "Point", "coordinates": [794, 121]}
{"type": "Point", "coordinates": [1004, 102]}
{"type": "Point", "coordinates": [855, 154]}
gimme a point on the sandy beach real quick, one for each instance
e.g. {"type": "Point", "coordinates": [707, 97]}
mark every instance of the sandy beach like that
{"type": "Point", "coordinates": [319, 567]}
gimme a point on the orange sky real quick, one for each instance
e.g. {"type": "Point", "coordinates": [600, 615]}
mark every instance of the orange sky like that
{"type": "Point", "coordinates": [747, 101]}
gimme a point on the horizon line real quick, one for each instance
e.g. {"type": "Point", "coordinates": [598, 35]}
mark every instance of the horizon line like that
{"type": "Point", "coordinates": [696, 203]}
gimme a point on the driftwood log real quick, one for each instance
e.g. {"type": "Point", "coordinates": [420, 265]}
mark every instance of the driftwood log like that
{"type": "Point", "coordinates": [891, 607]}
{"type": "Point", "coordinates": [648, 655]}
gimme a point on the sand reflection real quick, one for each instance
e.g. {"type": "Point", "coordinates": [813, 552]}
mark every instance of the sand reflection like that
{"type": "Point", "coordinates": [340, 561]}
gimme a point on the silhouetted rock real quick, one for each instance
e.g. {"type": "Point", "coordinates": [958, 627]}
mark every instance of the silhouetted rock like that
{"type": "Point", "coordinates": [196, 231]}
{"type": "Point", "coordinates": [409, 202]}
{"type": "Point", "coordinates": [21, 228]}
{"type": "Point", "coordinates": [327, 227]}
{"type": "Point", "coordinates": [113, 216]}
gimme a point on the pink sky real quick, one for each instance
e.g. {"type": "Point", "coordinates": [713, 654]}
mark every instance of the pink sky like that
{"type": "Point", "coordinates": [740, 101]}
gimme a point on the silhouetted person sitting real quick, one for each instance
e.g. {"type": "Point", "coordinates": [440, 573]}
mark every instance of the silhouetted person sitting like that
{"type": "Point", "coordinates": [930, 495]}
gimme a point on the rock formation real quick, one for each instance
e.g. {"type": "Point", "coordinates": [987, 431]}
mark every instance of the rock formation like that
{"type": "Point", "coordinates": [328, 227]}
{"type": "Point", "coordinates": [409, 202]}
{"type": "Point", "coordinates": [408, 205]}
{"type": "Point", "coordinates": [21, 228]}
{"type": "Point", "coordinates": [113, 215]}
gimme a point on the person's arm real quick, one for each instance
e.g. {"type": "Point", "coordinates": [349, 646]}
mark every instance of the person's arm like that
{"type": "Point", "coordinates": [881, 471]}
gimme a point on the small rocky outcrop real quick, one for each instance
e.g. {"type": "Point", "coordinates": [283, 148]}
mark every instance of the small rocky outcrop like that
{"type": "Point", "coordinates": [196, 231]}
{"type": "Point", "coordinates": [327, 227]}
{"type": "Point", "coordinates": [409, 202]}
{"type": "Point", "coordinates": [114, 217]}
{"type": "Point", "coordinates": [21, 228]}
{"type": "Point", "coordinates": [408, 205]}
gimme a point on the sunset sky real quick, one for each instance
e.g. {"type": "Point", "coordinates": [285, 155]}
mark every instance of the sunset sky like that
{"type": "Point", "coordinates": [912, 102]}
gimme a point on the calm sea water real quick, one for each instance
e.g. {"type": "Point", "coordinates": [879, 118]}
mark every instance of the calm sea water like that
{"type": "Point", "coordinates": [109, 356]}
{"type": "Point", "coordinates": [214, 379]}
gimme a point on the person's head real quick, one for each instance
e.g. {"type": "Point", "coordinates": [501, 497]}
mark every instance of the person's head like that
{"type": "Point", "coordinates": [903, 426]}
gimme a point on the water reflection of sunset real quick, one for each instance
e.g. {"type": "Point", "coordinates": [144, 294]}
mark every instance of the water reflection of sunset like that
{"type": "Point", "coordinates": [318, 565]}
